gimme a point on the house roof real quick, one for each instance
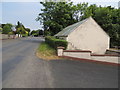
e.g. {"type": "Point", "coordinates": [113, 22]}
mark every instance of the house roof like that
{"type": "Point", "coordinates": [66, 31]}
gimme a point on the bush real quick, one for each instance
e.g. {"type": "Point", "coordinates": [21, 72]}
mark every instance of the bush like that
{"type": "Point", "coordinates": [10, 33]}
{"type": "Point", "coordinates": [6, 29]}
{"type": "Point", "coordinates": [24, 35]}
{"type": "Point", "coordinates": [53, 42]}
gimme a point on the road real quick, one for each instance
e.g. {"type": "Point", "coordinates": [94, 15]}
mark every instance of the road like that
{"type": "Point", "coordinates": [22, 69]}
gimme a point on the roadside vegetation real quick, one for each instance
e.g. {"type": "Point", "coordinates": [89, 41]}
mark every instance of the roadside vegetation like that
{"type": "Point", "coordinates": [0, 30]}
{"type": "Point", "coordinates": [36, 33]}
{"type": "Point", "coordinates": [46, 52]}
{"type": "Point", "coordinates": [48, 49]}
{"type": "Point", "coordinates": [54, 43]}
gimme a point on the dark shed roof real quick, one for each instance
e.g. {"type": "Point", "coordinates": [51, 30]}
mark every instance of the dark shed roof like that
{"type": "Point", "coordinates": [66, 31]}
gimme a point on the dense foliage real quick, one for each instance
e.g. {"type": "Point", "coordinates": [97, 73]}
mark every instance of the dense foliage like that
{"type": "Point", "coordinates": [1, 28]}
{"type": "Point", "coordinates": [53, 42]}
{"type": "Point", "coordinates": [21, 30]}
{"type": "Point", "coordinates": [14, 29]}
{"type": "Point", "coordinates": [7, 28]}
{"type": "Point", "coordinates": [34, 32]}
{"type": "Point", "coordinates": [37, 32]}
{"type": "Point", "coordinates": [57, 15]}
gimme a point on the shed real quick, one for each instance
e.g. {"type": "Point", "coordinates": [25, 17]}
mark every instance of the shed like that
{"type": "Point", "coordinates": [85, 35]}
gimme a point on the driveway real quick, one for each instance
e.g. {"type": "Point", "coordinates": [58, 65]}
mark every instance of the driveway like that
{"type": "Point", "coordinates": [22, 69]}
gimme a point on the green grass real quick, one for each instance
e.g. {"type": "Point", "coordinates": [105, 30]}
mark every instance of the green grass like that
{"type": "Point", "coordinates": [46, 52]}
{"type": "Point", "coordinates": [46, 49]}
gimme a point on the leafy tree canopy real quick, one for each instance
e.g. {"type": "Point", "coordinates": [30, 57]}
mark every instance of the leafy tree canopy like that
{"type": "Point", "coordinates": [7, 28]}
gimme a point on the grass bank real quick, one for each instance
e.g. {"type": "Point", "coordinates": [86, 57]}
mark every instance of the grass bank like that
{"type": "Point", "coordinates": [46, 52]}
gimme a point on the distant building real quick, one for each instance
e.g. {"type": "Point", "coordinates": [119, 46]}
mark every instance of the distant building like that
{"type": "Point", "coordinates": [86, 35]}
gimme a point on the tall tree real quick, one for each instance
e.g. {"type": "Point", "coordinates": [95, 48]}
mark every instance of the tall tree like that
{"type": "Point", "coordinates": [20, 29]}
{"type": "Point", "coordinates": [55, 16]}
{"type": "Point", "coordinates": [89, 11]}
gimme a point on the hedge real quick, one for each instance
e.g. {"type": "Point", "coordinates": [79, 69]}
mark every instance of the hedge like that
{"type": "Point", "coordinates": [24, 35]}
{"type": "Point", "coordinates": [53, 42]}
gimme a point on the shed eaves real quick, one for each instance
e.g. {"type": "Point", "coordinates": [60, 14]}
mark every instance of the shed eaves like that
{"type": "Point", "coordinates": [66, 31]}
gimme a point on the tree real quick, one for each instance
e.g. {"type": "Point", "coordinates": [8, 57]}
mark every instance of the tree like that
{"type": "Point", "coordinates": [28, 30]}
{"type": "Point", "coordinates": [7, 28]}
{"type": "Point", "coordinates": [20, 29]}
{"type": "Point", "coordinates": [34, 33]}
{"type": "Point", "coordinates": [41, 32]}
{"type": "Point", "coordinates": [55, 16]}
{"type": "Point", "coordinates": [0, 30]}
{"type": "Point", "coordinates": [89, 11]}
{"type": "Point", "coordinates": [2, 25]}
{"type": "Point", "coordinates": [115, 27]}
{"type": "Point", "coordinates": [79, 10]}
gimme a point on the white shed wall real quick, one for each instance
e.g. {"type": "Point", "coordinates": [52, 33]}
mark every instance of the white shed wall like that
{"type": "Point", "coordinates": [89, 36]}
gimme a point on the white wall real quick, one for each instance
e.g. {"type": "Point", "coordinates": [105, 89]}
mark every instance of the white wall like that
{"type": "Point", "coordinates": [89, 36]}
{"type": "Point", "coordinates": [85, 55]}
{"type": "Point", "coordinates": [112, 59]}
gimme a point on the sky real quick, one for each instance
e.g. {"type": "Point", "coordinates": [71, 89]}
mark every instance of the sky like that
{"type": "Point", "coordinates": [26, 11]}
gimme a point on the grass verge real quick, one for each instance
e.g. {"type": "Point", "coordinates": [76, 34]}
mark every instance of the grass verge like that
{"type": "Point", "coordinates": [46, 52]}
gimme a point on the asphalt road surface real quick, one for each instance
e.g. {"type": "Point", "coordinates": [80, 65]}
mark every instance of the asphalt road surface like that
{"type": "Point", "coordinates": [22, 69]}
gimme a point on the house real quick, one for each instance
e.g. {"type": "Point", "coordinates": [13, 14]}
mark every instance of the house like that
{"type": "Point", "coordinates": [86, 35]}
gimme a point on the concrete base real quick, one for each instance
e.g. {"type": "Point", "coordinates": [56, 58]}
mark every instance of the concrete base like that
{"type": "Point", "coordinates": [87, 55]}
